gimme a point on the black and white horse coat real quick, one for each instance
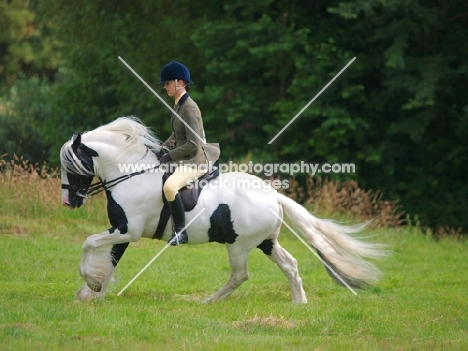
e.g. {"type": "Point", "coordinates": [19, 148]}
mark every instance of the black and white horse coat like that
{"type": "Point", "coordinates": [239, 217]}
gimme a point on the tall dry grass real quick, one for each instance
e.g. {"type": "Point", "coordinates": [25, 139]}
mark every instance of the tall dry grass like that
{"type": "Point", "coordinates": [31, 192]}
{"type": "Point", "coordinates": [28, 190]}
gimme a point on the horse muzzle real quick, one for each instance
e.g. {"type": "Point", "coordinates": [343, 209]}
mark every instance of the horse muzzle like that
{"type": "Point", "coordinates": [69, 197]}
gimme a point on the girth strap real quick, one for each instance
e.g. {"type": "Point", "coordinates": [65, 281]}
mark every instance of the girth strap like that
{"type": "Point", "coordinates": [163, 219]}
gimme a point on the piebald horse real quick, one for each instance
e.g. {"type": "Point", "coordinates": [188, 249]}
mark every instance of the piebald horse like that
{"type": "Point", "coordinates": [242, 218]}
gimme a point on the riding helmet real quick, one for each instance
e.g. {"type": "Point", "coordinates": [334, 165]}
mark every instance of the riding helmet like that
{"type": "Point", "coordinates": [174, 70]}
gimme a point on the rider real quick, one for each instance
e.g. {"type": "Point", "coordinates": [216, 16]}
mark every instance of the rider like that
{"type": "Point", "coordinates": [186, 148]}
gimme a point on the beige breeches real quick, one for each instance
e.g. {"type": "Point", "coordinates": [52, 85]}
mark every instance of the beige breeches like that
{"type": "Point", "coordinates": [180, 178]}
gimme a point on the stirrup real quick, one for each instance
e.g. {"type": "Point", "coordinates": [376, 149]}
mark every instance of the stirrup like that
{"type": "Point", "coordinates": [178, 238]}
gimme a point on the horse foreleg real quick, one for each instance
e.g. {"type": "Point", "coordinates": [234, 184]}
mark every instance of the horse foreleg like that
{"type": "Point", "coordinates": [109, 237]}
{"type": "Point", "coordinates": [96, 269]}
{"type": "Point", "coordinates": [99, 260]}
{"type": "Point", "coordinates": [239, 273]}
{"type": "Point", "coordinates": [97, 272]}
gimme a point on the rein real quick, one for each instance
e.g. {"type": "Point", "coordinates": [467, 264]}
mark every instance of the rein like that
{"type": "Point", "coordinates": [100, 186]}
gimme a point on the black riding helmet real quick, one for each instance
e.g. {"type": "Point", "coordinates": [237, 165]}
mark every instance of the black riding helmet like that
{"type": "Point", "coordinates": [175, 70]}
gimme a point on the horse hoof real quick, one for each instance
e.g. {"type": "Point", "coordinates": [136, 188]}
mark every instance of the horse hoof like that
{"type": "Point", "coordinates": [84, 294]}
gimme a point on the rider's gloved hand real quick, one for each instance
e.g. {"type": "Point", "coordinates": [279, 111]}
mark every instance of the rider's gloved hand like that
{"type": "Point", "coordinates": [163, 151]}
{"type": "Point", "coordinates": [165, 158]}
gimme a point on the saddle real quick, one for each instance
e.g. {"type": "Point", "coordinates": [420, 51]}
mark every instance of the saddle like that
{"type": "Point", "coordinates": [189, 198]}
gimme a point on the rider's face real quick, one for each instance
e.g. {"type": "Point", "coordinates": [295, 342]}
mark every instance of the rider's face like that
{"type": "Point", "coordinates": [171, 88]}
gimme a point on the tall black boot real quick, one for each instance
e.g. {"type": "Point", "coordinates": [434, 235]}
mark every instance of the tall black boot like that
{"type": "Point", "coordinates": [178, 215]}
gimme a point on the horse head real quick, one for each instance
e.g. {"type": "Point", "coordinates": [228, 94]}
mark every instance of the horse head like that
{"type": "Point", "coordinates": [77, 171]}
{"type": "Point", "coordinates": [126, 139]}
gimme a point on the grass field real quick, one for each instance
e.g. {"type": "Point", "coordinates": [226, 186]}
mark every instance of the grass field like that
{"type": "Point", "coordinates": [420, 304]}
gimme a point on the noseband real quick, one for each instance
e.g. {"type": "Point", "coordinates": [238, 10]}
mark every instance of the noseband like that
{"type": "Point", "coordinates": [82, 191]}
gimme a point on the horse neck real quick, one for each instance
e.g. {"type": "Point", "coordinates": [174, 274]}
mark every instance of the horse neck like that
{"type": "Point", "coordinates": [110, 164]}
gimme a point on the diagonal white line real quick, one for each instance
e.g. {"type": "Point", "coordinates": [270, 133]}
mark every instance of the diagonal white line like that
{"type": "Point", "coordinates": [159, 253]}
{"type": "Point", "coordinates": [311, 101]}
{"type": "Point", "coordinates": [160, 98]}
{"type": "Point", "coordinates": [320, 258]}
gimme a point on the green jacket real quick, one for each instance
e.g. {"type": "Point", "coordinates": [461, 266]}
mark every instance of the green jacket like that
{"type": "Point", "coordinates": [185, 146]}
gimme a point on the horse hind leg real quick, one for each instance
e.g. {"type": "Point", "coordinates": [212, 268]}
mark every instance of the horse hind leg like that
{"type": "Point", "coordinates": [288, 265]}
{"type": "Point", "coordinates": [238, 258]}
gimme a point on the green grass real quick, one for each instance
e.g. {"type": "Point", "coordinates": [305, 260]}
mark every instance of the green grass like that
{"type": "Point", "coordinates": [420, 304]}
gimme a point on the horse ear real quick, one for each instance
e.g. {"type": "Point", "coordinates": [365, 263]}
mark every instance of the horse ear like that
{"type": "Point", "coordinates": [76, 141]}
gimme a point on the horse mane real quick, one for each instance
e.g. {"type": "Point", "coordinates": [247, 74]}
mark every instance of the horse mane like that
{"type": "Point", "coordinates": [135, 131]}
{"type": "Point", "coordinates": [135, 135]}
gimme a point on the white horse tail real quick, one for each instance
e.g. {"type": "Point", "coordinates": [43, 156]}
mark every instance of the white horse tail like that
{"type": "Point", "coordinates": [337, 245]}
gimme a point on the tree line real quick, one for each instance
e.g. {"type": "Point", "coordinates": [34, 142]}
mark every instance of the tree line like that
{"type": "Point", "coordinates": [399, 112]}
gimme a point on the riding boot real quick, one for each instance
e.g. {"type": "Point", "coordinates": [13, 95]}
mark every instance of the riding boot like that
{"type": "Point", "coordinates": [178, 216]}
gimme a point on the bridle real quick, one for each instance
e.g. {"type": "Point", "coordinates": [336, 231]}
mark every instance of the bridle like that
{"type": "Point", "coordinates": [101, 185]}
